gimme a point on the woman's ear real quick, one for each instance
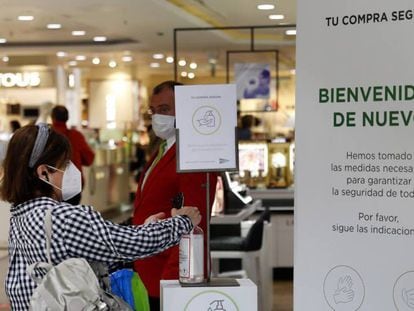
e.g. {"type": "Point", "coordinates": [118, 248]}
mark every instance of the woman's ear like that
{"type": "Point", "coordinates": [42, 172]}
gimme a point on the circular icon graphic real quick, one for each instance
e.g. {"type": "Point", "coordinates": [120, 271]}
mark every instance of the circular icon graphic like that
{"type": "Point", "coordinates": [404, 292]}
{"type": "Point", "coordinates": [344, 289]}
{"type": "Point", "coordinates": [206, 120]}
{"type": "Point", "coordinates": [211, 300]}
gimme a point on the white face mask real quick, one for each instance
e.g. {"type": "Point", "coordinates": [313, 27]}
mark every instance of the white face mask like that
{"type": "Point", "coordinates": [71, 181]}
{"type": "Point", "coordinates": [163, 125]}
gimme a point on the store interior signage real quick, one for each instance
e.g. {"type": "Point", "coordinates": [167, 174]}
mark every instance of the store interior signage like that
{"type": "Point", "coordinates": [19, 79]}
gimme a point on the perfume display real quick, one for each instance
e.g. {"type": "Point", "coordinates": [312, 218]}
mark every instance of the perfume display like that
{"type": "Point", "coordinates": [266, 165]}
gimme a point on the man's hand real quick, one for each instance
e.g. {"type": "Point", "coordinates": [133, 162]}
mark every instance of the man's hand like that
{"type": "Point", "coordinates": [189, 211]}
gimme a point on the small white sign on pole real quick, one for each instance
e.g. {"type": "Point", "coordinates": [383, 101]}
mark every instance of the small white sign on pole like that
{"type": "Point", "coordinates": [206, 119]}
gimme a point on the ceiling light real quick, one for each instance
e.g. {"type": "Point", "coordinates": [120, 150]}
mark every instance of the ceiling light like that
{"type": "Point", "coordinates": [78, 33]}
{"type": "Point", "coordinates": [99, 39]}
{"type": "Point", "coordinates": [291, 32]}
{"type": "Point", "coordinates": [127, 58]}
{"type": "Point", "coordinates": [193, 65]}
{"type": "Point", "coordinates": [3, 40]}
{"type": "Point", "coordinates": [54, 26]}
{"type": "Point", "coordinates": [25, 18]}
{"type": "Point", "coordinates": [73, 63]}
{"type": "Point", "coordinates": [158, 56]}
{"type": "Point", "coordinates": [96, 61]}
{"type": "Point", "coordinates": [169, 59]}
{"type": "Point", "coordinates": [61, 54]}
{"type": "Point", "coordinates": [80, 57]}
{"type": "Point", "coordinates": [184, 74]}
{"type": "Point", "coordinates": [182, 62]}
{"type": "Point", "coordinates": [112, 64]}
{"type": "Point", "coordinates": [276, 16]}
{"type": "Point", "coordinates": [292, 71]}
{"type": "Point", "coordinates": [5, 59]}
{"type": "Point", "coordinates": [265, 6]}
{"type": "Point", "coordinates": [191, 75]}
{"type": "Point", "coordinates": [154, 65]}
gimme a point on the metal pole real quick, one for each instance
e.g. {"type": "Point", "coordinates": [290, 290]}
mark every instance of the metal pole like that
{"type": "Point", "coordinates": [208, 225]}
{"type": "Point", "coordinates": [175, 55]}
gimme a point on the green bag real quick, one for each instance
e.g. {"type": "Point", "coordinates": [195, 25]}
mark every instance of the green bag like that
{"type": "Point", "coordinates": [140, 293]}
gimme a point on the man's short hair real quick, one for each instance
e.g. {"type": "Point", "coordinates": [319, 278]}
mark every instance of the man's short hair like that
{"type": "Point", "coordinates": [60, 113]}
{"type": "Point", "coordinates": [165, 85]}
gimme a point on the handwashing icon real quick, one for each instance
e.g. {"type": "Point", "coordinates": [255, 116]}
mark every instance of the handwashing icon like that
{"type": "Point", "coordinates": [208, 119]}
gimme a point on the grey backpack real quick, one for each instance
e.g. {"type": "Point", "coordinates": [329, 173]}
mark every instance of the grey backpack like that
{"type": "Point", "coordinates": [71, 285]}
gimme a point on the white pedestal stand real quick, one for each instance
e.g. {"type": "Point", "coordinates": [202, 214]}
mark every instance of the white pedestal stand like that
{"type": "Point", "coordinates": [174, 297]}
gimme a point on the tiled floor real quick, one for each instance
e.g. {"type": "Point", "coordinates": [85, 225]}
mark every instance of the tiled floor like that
{"type": "Point", "coordinates": [283, 295]}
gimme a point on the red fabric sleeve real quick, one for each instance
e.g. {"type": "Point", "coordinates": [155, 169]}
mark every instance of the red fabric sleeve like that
{"type": "Point", "coordinates": [86, 153]}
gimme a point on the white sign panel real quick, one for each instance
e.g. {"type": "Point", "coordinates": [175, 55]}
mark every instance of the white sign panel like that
{"type": "Point", "coordinates": [354, 195]}
{"type": "Point", "coordinates": [206, 119]}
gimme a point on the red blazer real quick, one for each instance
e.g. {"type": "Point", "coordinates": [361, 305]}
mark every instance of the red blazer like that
{"type": "Point", "coordinates": [82, 153]}
{"type": "Point", "coordinates": [161, 186]}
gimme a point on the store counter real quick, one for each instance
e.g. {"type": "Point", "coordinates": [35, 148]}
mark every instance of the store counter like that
{"type": "Point", "coordinates": [280, 202]}
{"type": "Point", "coordinates": [236, 218]}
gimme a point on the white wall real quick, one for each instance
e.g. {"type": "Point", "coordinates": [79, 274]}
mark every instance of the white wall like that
{"type": "Point", "coordinates": [115, 100]}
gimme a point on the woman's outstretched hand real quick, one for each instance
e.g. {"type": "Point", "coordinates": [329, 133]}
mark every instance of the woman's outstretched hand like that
{"type": "Point", "coordinates": [192, 212]}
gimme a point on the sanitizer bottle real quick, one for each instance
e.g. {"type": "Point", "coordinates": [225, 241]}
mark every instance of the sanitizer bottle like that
{"type": "Point", "coordinates": [192, 256]}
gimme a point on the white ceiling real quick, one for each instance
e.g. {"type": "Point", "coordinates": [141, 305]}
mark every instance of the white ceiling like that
{"type": "Point", "coordinates": [141, 28]}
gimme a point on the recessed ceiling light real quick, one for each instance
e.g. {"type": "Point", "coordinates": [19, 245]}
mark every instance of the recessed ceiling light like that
{"type": "Point", "coordinates": [191, 75]}
{"type": "Point", "coordinates": [99, 39]}
{"type": "Point", "coordinates": [80, 57]}
{"type": "Point", "coordinates": [127, 58]}
{"type": "Point", "coordinates": [169, 59]}
{"type": "Point", "coordinates": [276, 16]}
{"type": "Point", "coordinates": [73, 63]}
{"type": "Point", "coordinates": [154, 65]}
{"type": "Point", "coordinates": [96, 61]}
{"type": "Point", "coordinates": [292, 71]}
{"type": "Point", "coordinates": [193, 65]}
{"type": "Point", "coordinates": [78, 33]}
{"type": "Point", "coordinates": [3, 40]}
{"type": "Point", "coordinates": [54, 26]}
{"type": "Point", "coordinates": [61, 54]}
{"type": "Point", "coordinates": [184, 74]}
{"type": "Point", "coordinates": [5, 59]}
{"type": "Point", "coordinates": [25, 18]}
{"type": "Point", "coordinates": [265, 6]}
{"type": "Point", "coordinates": [182, 62]}
{"type": "Point", "coordinates": [291, 32]}
{"type": "Point", "coordinates": [158, 56]}
{"type": "Point", "coordinates": [112, 64]}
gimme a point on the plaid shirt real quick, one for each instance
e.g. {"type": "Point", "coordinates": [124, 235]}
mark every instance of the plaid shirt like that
{"type": "Point", "coordinates": [77, 231]}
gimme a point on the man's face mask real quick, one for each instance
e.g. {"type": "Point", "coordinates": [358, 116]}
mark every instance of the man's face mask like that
{"type": "Point", "coordinates": [71, 181]}
{"type": "Point", "coordinates": [163, 125]}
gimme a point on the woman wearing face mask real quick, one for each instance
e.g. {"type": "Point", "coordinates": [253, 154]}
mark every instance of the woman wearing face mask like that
{"type": "Point", "coordinates": [38, 176]}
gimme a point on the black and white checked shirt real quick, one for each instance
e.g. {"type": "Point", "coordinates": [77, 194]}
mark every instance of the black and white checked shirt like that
{"type": "Point", "coordinates": [77, 231]}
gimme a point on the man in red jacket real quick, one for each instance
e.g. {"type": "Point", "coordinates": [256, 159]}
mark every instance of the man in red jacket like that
{"type": "Point", "coordinates": [82, 154]}
{"type": "Point", "coordinates": [159, 184]}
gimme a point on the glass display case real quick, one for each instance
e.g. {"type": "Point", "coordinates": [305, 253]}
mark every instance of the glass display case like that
{"type": "Point", "coordinates": [280, 165]}
{"type": "Point", "coordinates": [266, 165]}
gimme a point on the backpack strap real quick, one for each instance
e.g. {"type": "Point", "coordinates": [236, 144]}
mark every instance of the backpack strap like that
{"type": "Point", "coordinates": [31, 270]}
{"type": "Point", "coordinates": [48, 230]}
